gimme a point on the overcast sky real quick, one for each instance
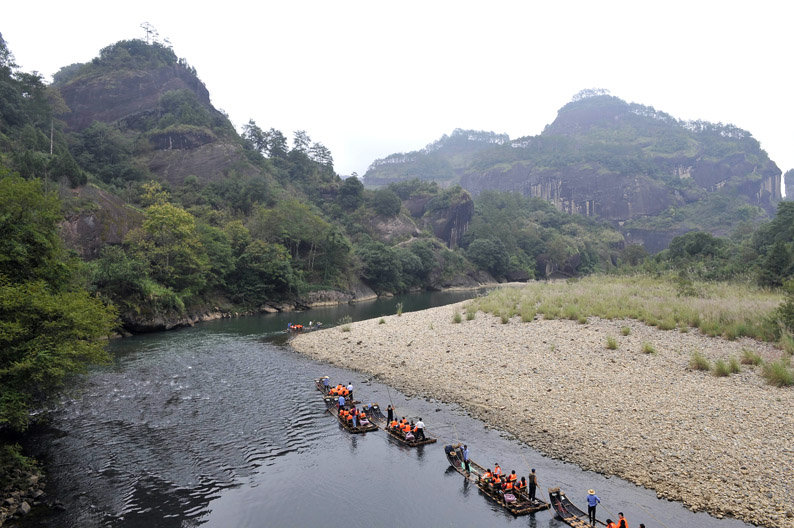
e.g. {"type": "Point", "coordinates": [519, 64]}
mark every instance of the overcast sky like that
{"type": "Point", "coordinates": [369, 78]}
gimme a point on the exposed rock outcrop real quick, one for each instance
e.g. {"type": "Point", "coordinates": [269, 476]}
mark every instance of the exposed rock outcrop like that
{"type": "Point", "coordinates": [133, 91]}
{"type": "Point", "coordinates": [106, 221]}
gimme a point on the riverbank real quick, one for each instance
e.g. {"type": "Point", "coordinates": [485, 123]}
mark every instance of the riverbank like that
{"type": "Point", "coordinates": [716, 444]}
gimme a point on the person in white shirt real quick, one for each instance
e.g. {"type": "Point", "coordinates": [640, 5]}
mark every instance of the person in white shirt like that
{"type": "Point", "coordinates": [350, 388]}
{"type": "Point", "coordinates": [420, 430]}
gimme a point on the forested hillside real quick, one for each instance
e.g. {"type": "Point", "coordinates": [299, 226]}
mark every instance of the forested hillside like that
{"type": "Point", "coordinates": [642, 170]}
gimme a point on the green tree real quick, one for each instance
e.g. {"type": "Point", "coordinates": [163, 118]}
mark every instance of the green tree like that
{"type": "Point", "coordinates": [489, 255]}
{"type": "Point", "coordinates": [774, 267]}
{"type": "Point", "coordinates": [263, 272]}
{"type": "Point", "coordinates": [386, 202]}
{"type": "Point", "coordinates": [380, 266]}
{"type": "Point", "coordinates": [351, 193]}
{"type": "Point", "coordinates": [50, 327]}
{"type": "Point", "coordinates": [169, 241]}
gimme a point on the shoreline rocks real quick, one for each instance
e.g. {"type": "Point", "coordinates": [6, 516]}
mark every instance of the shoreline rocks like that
{"type": "Point", "coordinates": [18, 501]}
{"type": "Point", "coordinates": [720, 445]}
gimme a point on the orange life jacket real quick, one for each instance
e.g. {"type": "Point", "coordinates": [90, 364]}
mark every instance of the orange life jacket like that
{"type": "Point", "coordinates": [612, 525]}
{"type": "Point", "coordinates": [394, 424]}
{"type": "Point", "coordinates": [497, 470]}
{"type": "Point", "coordinates": [509, 485]}
{"type": "Point", "coordinates": [350, 418]}
{"type": "Point", "coordinates": [521, 485]}
{"type": "Point", "coordinates": [496, 479]}
{"type": "Point", "coordinates": [622, 523]}
{"type": "Point", "coordinates": [512, 477]}
{"type": "Point", "coordinates": [362, 415]}
{"type": "Point", "coordinates": [345, 392]}
{"type": "Point", "coordinates": [487, 475]}
{"type": "Point", "coordinates": [406, 428]}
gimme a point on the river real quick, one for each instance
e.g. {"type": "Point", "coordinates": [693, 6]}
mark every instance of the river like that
{"type": "Point", "coordinates": [220, 425]}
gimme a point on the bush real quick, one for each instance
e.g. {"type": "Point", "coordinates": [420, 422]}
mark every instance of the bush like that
{"type": "Point", "coordinates": [612, 343]}
{"type": "Point", "coordinates": [699, 362]}
{"type": "Point", "coordinates": [456, 318]}
{"type": "Point", "coordinates": [648, 348]}
{"type": "Point", "coordinates": [750, 358]}
{"type": "Point", "coordinates": [733, 366]}
{"type": "Point", "coordinates": [399, 309]}
{"type": "Point", "coordinates": [778, 373]}
{"type": "Point", "coordinates": [721, 368]}
{"type": "Point", "coordinates": [382, 321]}
{"type": "Point", "coordinates": [344, 323]}
{"type": "Point", "coordinates": [625, 330]}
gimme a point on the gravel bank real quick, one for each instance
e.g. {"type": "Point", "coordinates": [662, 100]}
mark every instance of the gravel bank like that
{"type": "Point", "coordinates": [723, 445]}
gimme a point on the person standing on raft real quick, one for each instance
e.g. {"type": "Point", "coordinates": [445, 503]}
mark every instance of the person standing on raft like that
{"type": "Point", "coordinates": [592, 502]}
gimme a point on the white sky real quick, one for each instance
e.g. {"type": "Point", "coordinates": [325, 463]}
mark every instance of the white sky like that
{"type": "Point", "coordinates": [369, 78]}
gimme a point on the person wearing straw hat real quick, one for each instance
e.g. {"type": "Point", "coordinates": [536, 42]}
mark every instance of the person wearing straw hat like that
{"type": "Point", "coordinates": [592, 502]}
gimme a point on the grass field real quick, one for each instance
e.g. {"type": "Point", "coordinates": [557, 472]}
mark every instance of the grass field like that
{"type": "Point", "coordinates": [730, 310]}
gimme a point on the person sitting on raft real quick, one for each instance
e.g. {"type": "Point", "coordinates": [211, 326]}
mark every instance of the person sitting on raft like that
{"type": "Point", "coordinates": [512, 477]}
{"type": "Point", "coordinates": [523, 484]}
{"type": "Point", "coordinates": [487, 476]}
{"type": "Point", "coordinates": [497, 471]}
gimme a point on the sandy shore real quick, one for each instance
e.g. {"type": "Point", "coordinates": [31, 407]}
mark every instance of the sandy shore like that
{"type": "Point", "coordinates": [723, 445]}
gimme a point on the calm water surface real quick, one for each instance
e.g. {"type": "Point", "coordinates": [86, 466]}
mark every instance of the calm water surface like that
{"type": "Point", "coordinates": [220, 425]}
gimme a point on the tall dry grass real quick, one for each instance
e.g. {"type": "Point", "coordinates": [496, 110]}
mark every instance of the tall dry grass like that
{"type": "Point", "coordinates": [721, 309]}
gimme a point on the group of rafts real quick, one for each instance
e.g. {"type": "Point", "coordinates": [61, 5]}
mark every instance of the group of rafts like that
{"type": "Point", "coordinates": [507, 491]}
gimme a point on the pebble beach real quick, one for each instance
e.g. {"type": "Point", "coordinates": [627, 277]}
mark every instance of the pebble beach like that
{"type": "Point", "coordinates": [724, 445]}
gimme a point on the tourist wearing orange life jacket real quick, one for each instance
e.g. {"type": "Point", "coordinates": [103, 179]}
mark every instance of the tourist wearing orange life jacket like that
{"type": "Point", "coordinates": [497, 471]}
{"type": "Point", "coordinates": [611, 524]}
{"type": "Point", "coordinates": [487, 475]}
{"type": "Point", "coordinates": [507, 486]}
{"type": "Point", "coordinates": [622, 522]}
{"type": "Point", "coordinates": [512, 477]}
{"type": "Point", "coordinates": [523, 484]}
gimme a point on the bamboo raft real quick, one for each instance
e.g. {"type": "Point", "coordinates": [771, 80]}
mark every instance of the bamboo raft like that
{"type": "Point", "coordinates": [567, 511]}
{"type": "Point", "coordinates": [328, 397]}
{"type": "Point", "coordinates": [359, 429]}
{"type": "Point", "coordinates": [377, 416]}
{"type": "Point", "coordinates": [522, 505]}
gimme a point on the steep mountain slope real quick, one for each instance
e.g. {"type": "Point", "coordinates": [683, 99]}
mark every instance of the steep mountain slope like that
{"type": "Point", "coordinates": [157, 101]}
{"type": "Point", "coordinates": [629, 164]}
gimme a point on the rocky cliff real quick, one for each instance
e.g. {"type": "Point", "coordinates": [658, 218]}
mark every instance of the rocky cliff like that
{"type": "Point", "coordinates": [625, 163]}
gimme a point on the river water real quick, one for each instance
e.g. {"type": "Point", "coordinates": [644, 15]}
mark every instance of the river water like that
{"type": "Point", "coordinates": [220, 425]}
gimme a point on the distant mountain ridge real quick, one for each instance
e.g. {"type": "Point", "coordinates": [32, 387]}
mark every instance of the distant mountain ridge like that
{"type": "Point", "coordinates": [641, 169]}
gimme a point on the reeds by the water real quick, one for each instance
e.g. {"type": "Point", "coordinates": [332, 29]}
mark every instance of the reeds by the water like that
{"type": "Point", "coordinates": [721, 309]}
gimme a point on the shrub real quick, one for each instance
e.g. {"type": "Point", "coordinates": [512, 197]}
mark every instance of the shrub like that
{"type": "Point", "coordinates": [582, 319]}
{"type": "Point", "coordinates": [648, 348]}
{"type": "Point", "coordinates": [778, 373]}
{"type": "Point", "coordinates": [786, 342]}
{"type": "Point", "coordinates": [733, 366]}
{"type": "Point", "coordinates": [344, 323]}
{"type": "Point", "coordinates": [470, 314]}
{"type": "Point", "coordinates": [699, 362]}
{"type": "Point", "coordinates": [625, 330]}
{"type": "Point", "coordinates": [612, 343]}
{"type": "Point", "coordinates": [721, 368]}
{"type": "Point", "coordinates": [750, 358]}
{"type": "Point", "coordinates": [505, 319]}
{"type": "Point", "coordinates": [382, 321]}
{"type": "Point", "coordinates": [399, 309]}
{"type": "Point", "coordinates": [456, 318]}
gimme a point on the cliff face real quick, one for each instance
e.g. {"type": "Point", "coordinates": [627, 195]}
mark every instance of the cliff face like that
{"type": "Point", "coordinates": [107, 221]}
{"type": "Point", "coordinates": [125, 93]}
{"type": "Point", "coordinates": [629, 164]}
